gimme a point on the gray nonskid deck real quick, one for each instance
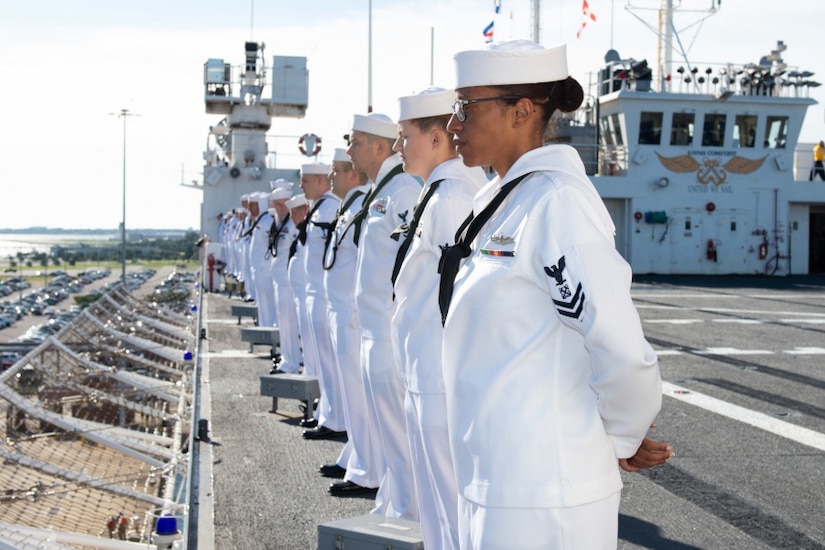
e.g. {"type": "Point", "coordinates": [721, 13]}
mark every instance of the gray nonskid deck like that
{"type": "Point", "coordinates": [267, 492]}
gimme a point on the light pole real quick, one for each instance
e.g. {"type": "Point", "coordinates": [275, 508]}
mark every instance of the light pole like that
{"type": "Point", "coordinates": [123, 114]}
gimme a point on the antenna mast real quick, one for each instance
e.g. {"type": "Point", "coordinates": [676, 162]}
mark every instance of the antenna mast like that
{"type": "Point", "coordinates": [668, 36]}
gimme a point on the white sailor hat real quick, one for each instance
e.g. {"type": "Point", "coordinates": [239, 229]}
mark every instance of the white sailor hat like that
{"type": "Point", "coordinates": [377, 124]}
{"type": "Point", "coordinates": [511, 62]}
{"type": "Point", "coordinates": [280, 193]}
{"type": "Point", "coordinates": [315, 168]}
{"type": "Point", "coordinates": [280, 183]}
{"type": "Point", "coordinates": [341, 155]}
{"type": "Point", "coordinates": [296, 201]}
{"type": "Point", "coordinates": [245, 197]}
{"type": "Point", "coordinates": [427, 103]}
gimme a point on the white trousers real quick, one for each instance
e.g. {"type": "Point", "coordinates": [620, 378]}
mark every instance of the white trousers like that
{"type": "Point", "coordinates": [265, 294]}
{"type": "Point", "coordinates": [330, 405]}
{"type": "Point", "coordinates": [308, 351]}
{"type": "Point", "coordinates": [594, 526]}
{"type": "Point", "coordinates": [288, 329]}
{"type": "Point", "coordinates": [363, 461]}
{"type": "Point", "coordinates": [433, 471]}
{"type": "Point", "coordinates": [385, 396]}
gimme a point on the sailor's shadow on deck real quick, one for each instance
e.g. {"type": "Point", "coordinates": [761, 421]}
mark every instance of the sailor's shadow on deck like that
{"type": "Point", "coordinates": [647, 535]}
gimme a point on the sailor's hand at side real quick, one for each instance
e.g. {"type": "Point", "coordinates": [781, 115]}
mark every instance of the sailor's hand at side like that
{"type": "Point", "coordinates": [649, 454]}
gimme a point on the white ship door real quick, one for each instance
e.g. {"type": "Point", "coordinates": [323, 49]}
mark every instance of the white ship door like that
{"type": "Point", "coordinates": [617, 208]}
{"type": "Point", "coordinates": [687, 241]}
{"type": "Point", "coordinates": [733, 237]}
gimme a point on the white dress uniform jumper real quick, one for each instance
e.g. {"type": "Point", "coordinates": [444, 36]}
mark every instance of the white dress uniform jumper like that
{"type": "Point", "coordinates": [543, 346]}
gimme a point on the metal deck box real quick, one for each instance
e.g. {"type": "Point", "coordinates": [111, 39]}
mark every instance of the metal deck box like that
{"type": "Point", "coordinates": [370, 532]}
{"type": "Point", "coordinates": [293, 386]}
{"type": "Point", "coordinates": [244, 310]}
{"type": "Point", "coordinates": [268, 336]}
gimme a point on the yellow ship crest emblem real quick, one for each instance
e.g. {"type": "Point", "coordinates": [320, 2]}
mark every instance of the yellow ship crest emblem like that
{"type": "Point", "coordinates": [711, 170]}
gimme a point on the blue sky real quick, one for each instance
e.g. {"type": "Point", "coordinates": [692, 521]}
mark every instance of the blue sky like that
{"type": "Point", "coordinates": [67, 65]}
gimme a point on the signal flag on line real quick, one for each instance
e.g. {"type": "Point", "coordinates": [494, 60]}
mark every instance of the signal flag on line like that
{"type": "Point", "coordinates": [488, 32]}
{"type": "Point", "coordinates": [588, 14]}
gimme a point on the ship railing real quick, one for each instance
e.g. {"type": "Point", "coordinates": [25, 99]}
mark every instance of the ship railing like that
{"type": "Point", "coordinates": [774, 80]}
{"type": "Point", "coordinates": [613, 160]}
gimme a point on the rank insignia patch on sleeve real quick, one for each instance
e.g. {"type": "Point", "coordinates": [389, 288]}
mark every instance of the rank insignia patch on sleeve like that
{"type": "Point", "coordinates": [568, 302]}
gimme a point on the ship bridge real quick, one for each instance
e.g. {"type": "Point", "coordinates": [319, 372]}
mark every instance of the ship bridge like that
{"type": "Point", "coordinates": [704, 175]}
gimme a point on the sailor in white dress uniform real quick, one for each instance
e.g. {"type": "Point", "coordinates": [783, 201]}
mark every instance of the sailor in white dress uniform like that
{"type": "Point", "coordinates": [427, 150]}
{"type": "Point", "coordinates": [244, 242]}
{"type": "Point", "coordinates": [287, 313]}
{"type": "Point", "coordinates": [298, 208]}
{"type": "Point", "coordinates": [316, 187]}
{"type": "Point", "coordinates": [360, 461]}
{"type": "Point", "coordinates": [259, 261]}
{"type": "Point", "coordinates": [390, 203]}
{"type": "Point", "coordinates": [550, 382]}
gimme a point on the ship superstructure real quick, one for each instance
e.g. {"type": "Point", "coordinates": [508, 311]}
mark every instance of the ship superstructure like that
{"type": "Point", "coordinates": [701, 169]}
{"type": "Point", "coordinates": [237, 159]}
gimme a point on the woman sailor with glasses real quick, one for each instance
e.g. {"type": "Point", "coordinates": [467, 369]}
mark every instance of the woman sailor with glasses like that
{"type": "Point", "coordinates": [551, 385]}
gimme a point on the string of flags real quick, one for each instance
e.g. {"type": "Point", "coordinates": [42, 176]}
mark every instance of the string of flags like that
{"type": "Point", "coordinates": [588, 16]}
{"type": "Point", "coordinates": [488, 30]}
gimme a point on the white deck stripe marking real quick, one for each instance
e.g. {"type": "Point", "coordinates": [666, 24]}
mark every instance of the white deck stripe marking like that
{"type": "Point", "coordinates": [229, 354]}
{"type": "Point", "coordinates": [733, 351]}
{"type": "Point", "coordinates": [661, 352]}
{"type": "Point", "coordinates": [675, 321]}
{"type": "Point", "coordinates": [806, 351]}
{"type": "Point", "coordinates": [763, 312]}
{"type": "Point", "coordinates": [739, 321]}
{"type": "Point", "coordinates": [762, 421]}
{"type": "Point", "coordinates": [804, 295]}
{"type": "Point", "coordinates": [811, 321]}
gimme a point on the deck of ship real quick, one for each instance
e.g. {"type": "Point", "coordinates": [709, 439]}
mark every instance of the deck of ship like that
{"type": "Point", "coordinates": [260, 486]}
{"type": "Point", "coordinates": [266, 490]}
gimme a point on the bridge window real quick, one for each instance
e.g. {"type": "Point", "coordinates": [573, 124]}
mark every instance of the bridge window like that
{"type": "Point", "coordinates": [776, 133]}
{"type": "Point", "coordinates": [612, 131]}
{"type": "Point", "coordinates": [713, 131]}
{"type": "Point", "coordinates": [681, 129]}
{"type": "Point", "coordinates": [744, 132]}
{"type": "Point", "coordinates": [650, 129]}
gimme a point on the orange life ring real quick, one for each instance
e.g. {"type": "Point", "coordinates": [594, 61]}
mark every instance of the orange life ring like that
{"type": "Point", "coordinates": [303, 150]}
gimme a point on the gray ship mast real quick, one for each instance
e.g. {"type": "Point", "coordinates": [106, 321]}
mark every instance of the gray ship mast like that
{"type": "Point", "coordinates": [237, 159]}
{"type": "Point", "coordinates": [668, 37]}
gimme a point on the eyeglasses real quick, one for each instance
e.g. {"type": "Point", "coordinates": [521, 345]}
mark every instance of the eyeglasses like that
{"type": "Point", "coordinates": [461, 114]}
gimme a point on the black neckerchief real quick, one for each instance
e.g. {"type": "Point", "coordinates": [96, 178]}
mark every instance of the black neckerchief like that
{"type": "Point", "coordinates": [274, 233]}
{"type": "Point", "coordinates": [452, 256]}
{"type": "Point", "coordinates": [254, 225]}
{"type": "Point", "coordinates": [302, 228]}
{"type": "Point", "coordinates": [343, 208]}
{"type": "Point", "coordinates": [293, 247]}
{"type": "Point", "coordinates": [359, 216]}
{"type": "Point", "coordinates": [409, 230]}
{"type": "Point", "coordinates": [302, 232]}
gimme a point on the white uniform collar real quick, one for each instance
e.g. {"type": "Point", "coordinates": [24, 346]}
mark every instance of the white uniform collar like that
{"type": "Point", "coordinates": [364, 188]}
{"type": "Point", "coordinates": [389, 163]}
